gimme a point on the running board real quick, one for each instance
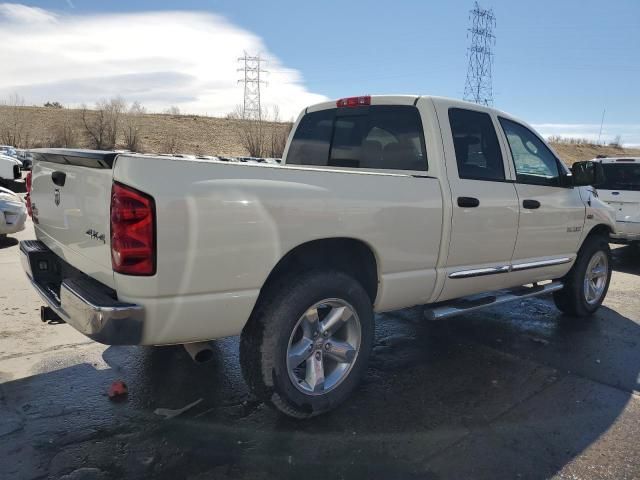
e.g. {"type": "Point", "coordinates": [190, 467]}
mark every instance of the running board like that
{"type": "Point", "coordinates": [475, 302]}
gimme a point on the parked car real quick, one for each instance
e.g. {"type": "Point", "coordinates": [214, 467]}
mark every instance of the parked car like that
{"type": "Point", "coordinates": [10, 169]}
{"type": "Point", "coordinates": [13, 212]}
{"type": "Point", "coordinates": [8, 150]}
{"type": "Point", "coordinates": [380, 203]}
{"type": "Point", "coordinates": [620, 188]}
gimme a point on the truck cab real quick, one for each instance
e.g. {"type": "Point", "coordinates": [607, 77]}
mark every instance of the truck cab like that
{"type": "Point", "coordinates": [620, 188]}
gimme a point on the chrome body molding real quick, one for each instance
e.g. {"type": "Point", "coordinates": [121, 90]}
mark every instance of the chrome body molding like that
{"type": "Point", "coordinates": [479, 272]}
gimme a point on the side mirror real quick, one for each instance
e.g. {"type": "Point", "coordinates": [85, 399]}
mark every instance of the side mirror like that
{"type": "Point", "coordinates": [587, 173]}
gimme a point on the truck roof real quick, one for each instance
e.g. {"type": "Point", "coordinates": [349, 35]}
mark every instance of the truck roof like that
{"type": "Point", "coordinates": [400, 100]}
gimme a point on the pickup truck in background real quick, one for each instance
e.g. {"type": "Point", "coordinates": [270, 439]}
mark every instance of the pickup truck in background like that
{"type": "Point", "coordinates": [380, 203]}
{"type": "Point", "coordinates": [620, 188]}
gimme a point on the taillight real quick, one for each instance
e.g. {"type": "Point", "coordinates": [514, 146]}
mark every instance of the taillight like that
{"type": "Point", "coordinates": [133, 242]}
{"type": "Point", "coordinates": [27, 197]}
{"type": "Point", "coordinates": [354, 101]}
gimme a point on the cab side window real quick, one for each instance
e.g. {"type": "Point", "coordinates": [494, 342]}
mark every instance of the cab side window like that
{"type": "Point", "coordinates": [535, 164]}
{"type": "Point", "coordinates": [476, 144]}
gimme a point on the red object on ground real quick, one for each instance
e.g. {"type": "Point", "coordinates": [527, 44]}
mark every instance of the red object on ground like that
{"type": "Point", "coordinates": [117, 390]}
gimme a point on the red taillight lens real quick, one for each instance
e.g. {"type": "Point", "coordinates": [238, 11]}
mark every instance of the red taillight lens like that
{"type": "Point", "coordinates": [27, 197]}
{"type": "Point", "coordinates": [133, 243]}
{"type": "Point", "coordinates": [354, 101]}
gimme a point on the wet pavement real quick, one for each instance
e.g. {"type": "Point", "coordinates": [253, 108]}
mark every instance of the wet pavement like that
{"type": "Point", "coordinates": [517, 391]}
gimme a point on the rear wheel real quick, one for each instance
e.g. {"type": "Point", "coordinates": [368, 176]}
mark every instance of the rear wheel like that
{"type": "Point", "coordinates": [305, 350]}
{"type": "Point", "coordinates": [587, 283]}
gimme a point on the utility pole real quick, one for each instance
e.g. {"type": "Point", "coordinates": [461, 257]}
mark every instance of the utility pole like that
{"type": "Point", "coordinates": [252, 68]}
{"type": "Point", "coordinates": [478, 87]}
{"type": "Point", "coordinates": [601, 123]}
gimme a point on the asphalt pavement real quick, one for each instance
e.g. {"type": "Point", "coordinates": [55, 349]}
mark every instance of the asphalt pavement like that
{"type": "Point", "coordinates": [516, 391]}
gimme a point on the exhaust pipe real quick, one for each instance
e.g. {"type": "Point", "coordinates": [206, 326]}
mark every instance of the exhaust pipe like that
{"type": "Point", "coordinates": [200, 352]}
{"type": "Point", "coordinates": [48, 315]}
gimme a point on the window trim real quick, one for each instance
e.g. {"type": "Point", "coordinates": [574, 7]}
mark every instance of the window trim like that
{"type": "Point", "coordinates": [506, 178]}
{"type": "Point", "coordinates": [559, 183]}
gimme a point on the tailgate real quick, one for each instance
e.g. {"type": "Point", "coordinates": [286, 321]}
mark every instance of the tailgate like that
{"type": "Point", "coordinates": [70, 198]}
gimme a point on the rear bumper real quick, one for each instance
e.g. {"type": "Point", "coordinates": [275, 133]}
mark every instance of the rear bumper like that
{"type": "Point", "coordinates": [87, 305]}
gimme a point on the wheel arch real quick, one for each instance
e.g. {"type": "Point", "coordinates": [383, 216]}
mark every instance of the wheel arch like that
{"type": "Point", "coordinates": [600, 229]}
{"type": "Point", "coordinates": [345, 254]}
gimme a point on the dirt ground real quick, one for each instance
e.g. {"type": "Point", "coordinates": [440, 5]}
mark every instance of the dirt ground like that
{"type": "Point", "coordinates": [517, 391]}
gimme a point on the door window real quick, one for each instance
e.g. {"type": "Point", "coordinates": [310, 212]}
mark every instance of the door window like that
{"type": "Point", "coordinates": [476, 144]}
{"type": "Point", "coordinates": [535, 164]}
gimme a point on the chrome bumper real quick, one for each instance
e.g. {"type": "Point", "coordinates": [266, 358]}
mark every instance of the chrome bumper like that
{"type": "Point", "coordinates": [87, 305]}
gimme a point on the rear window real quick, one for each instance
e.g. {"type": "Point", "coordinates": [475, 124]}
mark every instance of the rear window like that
{"type": "Point", "coordinates": [620, 177]}
{"type": "Point", "coordinates": [375, 137]}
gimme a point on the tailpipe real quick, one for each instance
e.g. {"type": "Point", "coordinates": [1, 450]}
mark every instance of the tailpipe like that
{"type": "Point", "coordinates": [200, 352]}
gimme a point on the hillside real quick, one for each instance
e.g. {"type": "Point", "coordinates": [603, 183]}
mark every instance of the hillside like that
{"type": "Point", "coordinates": [199, 134]}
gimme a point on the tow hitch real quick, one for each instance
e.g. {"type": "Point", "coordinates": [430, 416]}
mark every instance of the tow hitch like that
{"type": "Point", "coordinates": [48, 315]}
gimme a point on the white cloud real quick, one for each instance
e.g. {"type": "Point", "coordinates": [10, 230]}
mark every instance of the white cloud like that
{"type": "Point", "coordinates": [629, 133]}
{"type": "Point", "coordinates": [188, 59]}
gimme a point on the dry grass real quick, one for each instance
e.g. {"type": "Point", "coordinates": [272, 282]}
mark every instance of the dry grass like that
{"type": "Point", "coordinates": [217, 136]}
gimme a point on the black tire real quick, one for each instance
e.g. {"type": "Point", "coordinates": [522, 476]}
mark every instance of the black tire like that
{"type": "Point", "coordinates": [572, 300]}
{"type": "Point", "coordinates": [266, 337]}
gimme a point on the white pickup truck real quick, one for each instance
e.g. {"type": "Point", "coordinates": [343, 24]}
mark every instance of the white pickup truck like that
{"type": "Point", "coordinates": [620, 188]}
{"type": "Point", "coordinates": [380, 203]}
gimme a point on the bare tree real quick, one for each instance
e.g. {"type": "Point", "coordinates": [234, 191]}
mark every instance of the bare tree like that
{"type": "Point", "coordinates": [132, 128]}
{"type": "Point", "coordinates": [64, 134]}
{"type": "Point", "coordinates": [279, 134]}
{"type": "Point", "coordinates": [14, 129]}
{"type": "Point", "coordinates": [172, 110]}
{"type": "Point", "coordinates": [102, 124]}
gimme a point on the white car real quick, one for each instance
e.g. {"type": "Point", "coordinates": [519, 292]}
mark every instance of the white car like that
{"type": "Point", "coordinates": [13, 212]}
{"type": "Point", "coordinates": [380, 203]}
{"type": "Point", "coordinates": [10, 169]}
{"type": "Point", "coordinates": [620, 188]}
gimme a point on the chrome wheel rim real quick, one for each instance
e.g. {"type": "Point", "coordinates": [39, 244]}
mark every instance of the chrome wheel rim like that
{"type": "Point", "coordinates": [323, 346]}
{"type": "Point", "coordinates": [595, 279]}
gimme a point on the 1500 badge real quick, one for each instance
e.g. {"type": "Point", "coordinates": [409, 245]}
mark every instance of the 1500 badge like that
{"type": "Point", "coordinates": [574, 229]}
{"type": "Point", "coordinates": [95, 235]}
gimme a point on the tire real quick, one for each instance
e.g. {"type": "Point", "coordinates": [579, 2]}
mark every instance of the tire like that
{"type": "Point", "coordinates": [282, 324]}
{"type": "Point", "coordinates": [572, 299]}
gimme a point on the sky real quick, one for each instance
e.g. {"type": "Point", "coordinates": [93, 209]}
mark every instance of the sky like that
{"type": "Point", "coordinates": [558, 64]}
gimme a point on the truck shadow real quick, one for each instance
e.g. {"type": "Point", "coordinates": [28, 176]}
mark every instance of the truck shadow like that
{"type": "Point", "coordinates": [6, 242]}
{"type": "Point", "coordinates": [626, 259]}
{"type": "Point", "coordinates": [516, 391]}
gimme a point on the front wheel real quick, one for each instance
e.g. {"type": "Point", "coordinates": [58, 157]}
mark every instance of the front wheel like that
{"type": "Point", "coordinates": [587, 283]}
{"type": "Point", "coordinates": [306, 349]}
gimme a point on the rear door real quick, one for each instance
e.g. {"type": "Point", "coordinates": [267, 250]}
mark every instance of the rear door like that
{"type": "Point", "coordinates": [70, 199]}
{"type": "Point", "coordinates": [621, 190]}
{"type": "Point", "coordinates": [552, 215]}
{"type": "Point", "coordinates": [484, 221]}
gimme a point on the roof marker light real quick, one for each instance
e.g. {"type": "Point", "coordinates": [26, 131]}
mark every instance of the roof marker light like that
{"type": "Point", "coordinates": [354, 101]}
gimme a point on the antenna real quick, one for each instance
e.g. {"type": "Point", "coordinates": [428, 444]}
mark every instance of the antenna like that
{"type": "Point", "coordinates": [252, 68]}
{"type": "Point", "coordinates": [478, 87]}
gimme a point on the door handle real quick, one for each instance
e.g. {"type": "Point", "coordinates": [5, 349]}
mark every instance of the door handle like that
{"type": "Point", "coordinates": [59, 178]}
{"type": "Point", "coordinates": [468, 202]}
{"type": "Point", "coordinates": [530, 204]}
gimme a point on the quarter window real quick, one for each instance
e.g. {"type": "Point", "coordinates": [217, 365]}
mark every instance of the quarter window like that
{"type": "Point", "coordinates": [534, 162]}
{"type": "Point", "coordinates": [476, 145]}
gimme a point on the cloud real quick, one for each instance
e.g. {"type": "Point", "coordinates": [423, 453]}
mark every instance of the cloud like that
{"type": "Point", "coordinates": [188, 59]}
{"type": "Point", "coordinates": [629, 133]}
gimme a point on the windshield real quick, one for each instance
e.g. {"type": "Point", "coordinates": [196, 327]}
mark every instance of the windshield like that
{"type": "Point", "coordinates": [621, 177]}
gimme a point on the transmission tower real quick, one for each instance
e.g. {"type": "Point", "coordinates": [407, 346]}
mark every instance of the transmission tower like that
{"type": "Point", "coordinates": [252, 68]}
{"type": "Point", "coordinates": [478, 87]}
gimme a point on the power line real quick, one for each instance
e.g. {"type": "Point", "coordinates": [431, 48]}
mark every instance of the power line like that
{"type": "Point", "coordinates": [252, 68]}
{"type": "Point", "coordinates": [478, 87]}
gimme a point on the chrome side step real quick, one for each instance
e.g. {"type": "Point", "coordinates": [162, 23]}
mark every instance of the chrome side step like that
{"type": "Point", "coordinates": [459, 306]}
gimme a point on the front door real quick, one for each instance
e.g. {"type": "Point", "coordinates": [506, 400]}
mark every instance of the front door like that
{"type": "Point", "coordinates": [552, 215]}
